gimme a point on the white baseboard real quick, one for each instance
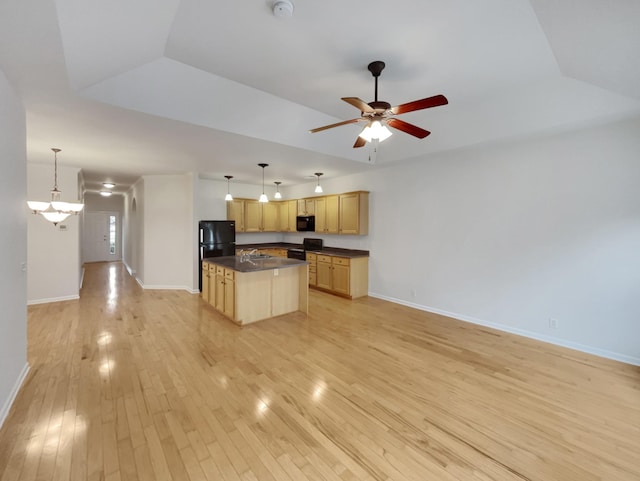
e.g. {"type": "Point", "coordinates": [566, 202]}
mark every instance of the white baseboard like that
{"type": "Point", "coordinates": [53, 299]}
{"type": "Point", "coordinates": [6, 407]}
{"type": "Point", "coordinates": [169, 288]}
{"type": "Point", "coordinates": [131, 272]}
{"type": "Point", "coordinates": [520, 332]}
{"type": "Point", "coordinates": [82, 277]}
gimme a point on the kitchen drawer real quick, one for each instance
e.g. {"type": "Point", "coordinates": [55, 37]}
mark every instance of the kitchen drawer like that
{"type": "Point", "coordinates": [313, 268]}
{"type": "Point", "coordinates": [312, 257]}
{"type": "Point", "coordinates": [312, 279]}
{"type": "Point", "coordinates": [219, 270]}
{"type": "Point", "coordinates": [322, 258]}
{"type": "Point", "coordinates": [341, 261]}
{"type": "Point", "coordinates": [229, 274]}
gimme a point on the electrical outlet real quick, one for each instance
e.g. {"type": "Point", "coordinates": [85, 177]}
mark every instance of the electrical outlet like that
{"type": "Point", "coordinates": [553, 323]}
{"type": "Point", "coordinates": [276, 273]}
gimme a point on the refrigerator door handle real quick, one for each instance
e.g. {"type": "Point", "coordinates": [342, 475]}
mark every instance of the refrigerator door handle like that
{"type": "Point", "coordinates": [201, 252]}
{"type": "Point", "coordinates": [200, 235]}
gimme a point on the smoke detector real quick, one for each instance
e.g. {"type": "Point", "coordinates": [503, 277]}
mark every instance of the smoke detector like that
{"type": "Point", "coordinates": [283, 9]}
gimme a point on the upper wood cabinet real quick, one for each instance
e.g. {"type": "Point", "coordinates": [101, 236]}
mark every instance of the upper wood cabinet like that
{"type": "Point", "coordinates": [288, 210]}
{"type": "Point", "coordinates": [327, 214]}
{"type": "Point", "coordinates": [353, 215]}
{"type": "Point", "coordinates": [335, 214]}
{"type": "Point", "coordinates": [270, 212]}
{"type": "Point", "coordinates": [306, 206]}
{"type": "Point", "coordinates": [235, 211]}
{"type": "Point", "coordinates": [252, 216]}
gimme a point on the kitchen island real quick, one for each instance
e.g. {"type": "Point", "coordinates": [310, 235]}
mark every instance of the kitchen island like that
{"type": "Point", "coordinates": [247, 289]}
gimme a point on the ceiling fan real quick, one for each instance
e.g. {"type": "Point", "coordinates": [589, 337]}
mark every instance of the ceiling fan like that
{"type": "Point", "coordinates": [377, 113]}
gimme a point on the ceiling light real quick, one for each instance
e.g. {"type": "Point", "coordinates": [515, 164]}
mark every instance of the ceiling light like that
{"type": "Point", "coordinates": [228, 197]}
{"type": "Point", "coordinates": [278, 195]}
{"type": "Point", "coordinates": [318, 186]}
{"type": "Point", "coordinates": [375, 130]}
{"type": "Point", "coordinates": [55, 211]}
{"type": "Point", "coordinates": [263, 196]}
{"type": "Point", "coordinates": [108, 185]}
{"type": "Point", "coordinates": [283, 9]}
{"type": "Point", "coordinates": [106, 193]}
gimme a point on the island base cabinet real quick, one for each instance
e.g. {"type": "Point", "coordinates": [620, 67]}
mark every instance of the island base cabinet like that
{"type": "Point", "coordinates": [269, 293]}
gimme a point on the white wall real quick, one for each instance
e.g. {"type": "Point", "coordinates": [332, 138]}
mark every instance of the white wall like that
{"type": "Point", "coordinates": [169, 232]}
{"type": "Point", "coordinates": [513, 235]}
{"type": "Point", "coordinates": [54, 254]}
{"type": "Point", "coordinates": [13, 247]}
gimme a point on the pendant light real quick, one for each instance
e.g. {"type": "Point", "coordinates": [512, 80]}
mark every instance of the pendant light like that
{"type": "Point", "coordinates": [55, 211]}
{"type": "Point", "coordinates": [228, 197]}
{"type": "Point", "coordinates": [263, 196]}
{"type": "Point", "coordinates": [318, 186]}
{"type": "Point", "coordinates": [277, 195]}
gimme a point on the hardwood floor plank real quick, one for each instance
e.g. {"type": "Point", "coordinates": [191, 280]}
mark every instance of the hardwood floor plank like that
{"type": "Point", "coordinates": [135, 385]}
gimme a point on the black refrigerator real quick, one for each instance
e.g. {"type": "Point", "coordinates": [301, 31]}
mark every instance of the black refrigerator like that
{"type": "Point", "coordinates": [217, 238]}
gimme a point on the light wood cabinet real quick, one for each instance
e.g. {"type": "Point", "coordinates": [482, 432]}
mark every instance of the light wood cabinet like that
{"type": "Point", "coordinates": [205, 282]}
{"type": "Point", "coordinates": [229, 308]}
{"type": "Point", "coordinates": [252, 216]}
{"type": "Point", "coordinates": [312, 259]}
{"type": "Point", "coordinates": [347, 277]}
{"type": "Point", "coordinates": [335, 214]}
{"type": "Point", "coordinates": [306, 206]}
{"type": "Point", "coordinates": [235, 212]}
{"type": "Point", "coordinates": [326, 209]}
{"type": "Point", "coordinates": [224, 297]}
{"type": "Point", "coordinates": [270, 213]}
{"type": "Point", "coordinates": [353, 217]}
{"type": "Point", "coordinates": [287, 210]}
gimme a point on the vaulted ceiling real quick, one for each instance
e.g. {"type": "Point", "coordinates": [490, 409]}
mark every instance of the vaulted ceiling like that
{"type": "Point", "coordinates": [167, 86]}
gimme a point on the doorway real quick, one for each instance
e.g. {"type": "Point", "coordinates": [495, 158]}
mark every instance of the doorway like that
{"type": "Point", "coordinates": [101, 237]}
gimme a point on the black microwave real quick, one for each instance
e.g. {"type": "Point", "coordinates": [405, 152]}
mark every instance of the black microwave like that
{"type": "Point", "coordinates": [305, 223]}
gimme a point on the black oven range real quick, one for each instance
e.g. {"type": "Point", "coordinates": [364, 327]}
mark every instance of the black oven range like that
{"type": "Point", "coordinates": [308, 244]}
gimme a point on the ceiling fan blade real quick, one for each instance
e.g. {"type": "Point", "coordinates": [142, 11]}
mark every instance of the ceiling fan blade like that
{"type": "Point", "coordinates": [319, 129]}
{"type": "Point", "coordinates": [360, 142]}
{"type": "Point", "coordinates": [429, 102]}
{"type": "Point", "coordinates": [359, 104]}
{"type": "Point", "coordinates": [408, 128]}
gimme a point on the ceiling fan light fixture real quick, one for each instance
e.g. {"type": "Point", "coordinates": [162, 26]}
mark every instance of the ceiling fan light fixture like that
{"type": "Point", "coordinates": [375, 130]}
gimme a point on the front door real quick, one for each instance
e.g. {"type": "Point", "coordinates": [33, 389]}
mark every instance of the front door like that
{"type": "Point", "coordinates": [100, 237]}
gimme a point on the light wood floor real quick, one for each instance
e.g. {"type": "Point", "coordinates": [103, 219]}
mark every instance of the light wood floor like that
{"type": "Point", "coordinates": [127, 384]}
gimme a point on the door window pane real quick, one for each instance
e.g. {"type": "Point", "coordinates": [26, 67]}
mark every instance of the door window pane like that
{"type": "Point", "coordinates": [112, 234]}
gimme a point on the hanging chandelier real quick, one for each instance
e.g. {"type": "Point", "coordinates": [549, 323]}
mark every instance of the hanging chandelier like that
{"type": "Point", "coordinates": [55, 211]}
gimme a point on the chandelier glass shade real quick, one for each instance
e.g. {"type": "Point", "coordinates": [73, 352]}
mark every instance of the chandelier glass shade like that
{"type": "Point", "coordinates": [56, 210]}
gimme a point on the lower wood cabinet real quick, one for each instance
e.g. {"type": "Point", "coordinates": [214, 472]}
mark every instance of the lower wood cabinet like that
{"type": "Point", "coordinates": [224, 299]}
{"type": "Point", "coordinates": [347, 277]}
{"type": "Point", "coordinates": [312, 259]}
{"type": "Point", "coordinates": [206, 282]}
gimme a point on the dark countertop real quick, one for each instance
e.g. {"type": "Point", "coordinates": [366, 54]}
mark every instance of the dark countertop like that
{"type": "Point", "coordinates": [253, 265]}
{"type": "Point", "coordinates": [331, 251]}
